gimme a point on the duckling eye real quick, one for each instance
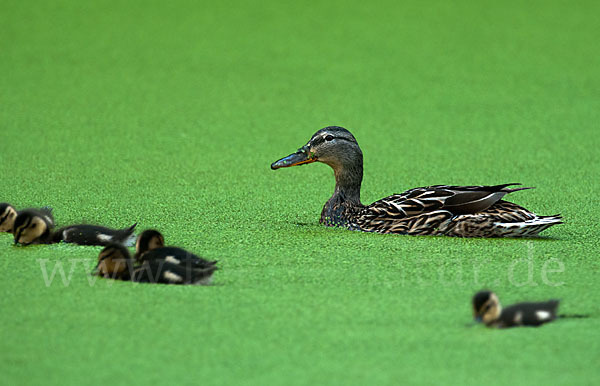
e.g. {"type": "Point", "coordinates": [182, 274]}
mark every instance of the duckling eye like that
{"type": "Point", "coordinates": [329, 137]}
{"type": "Point", "coordinates": [32, 226]}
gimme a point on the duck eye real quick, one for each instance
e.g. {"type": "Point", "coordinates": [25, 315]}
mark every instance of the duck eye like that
{"type": "Point", "coordinates": [329, 137]}
{"type": "Point", "coordinates": [33, 226]}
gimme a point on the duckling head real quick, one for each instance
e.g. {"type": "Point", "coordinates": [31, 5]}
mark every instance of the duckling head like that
{"type": "Point", "coordinates": [332, 145]}
{"type": "Point", "coordinates": [114, 261]}
{"type": "Point", "coordinates": [486, 307]}
{"type": "Point", "coordinates": [28, 228]}
{"type": "Point", "coordinates": [8, 214]}
{"type": "Point", "coordinates": [149, 239]}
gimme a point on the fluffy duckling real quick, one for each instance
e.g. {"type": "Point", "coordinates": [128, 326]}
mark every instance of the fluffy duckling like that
{"type": "Point", "coordinates": [85, 234]}
{"type": "Point", "coordinates": [114, 262]}
{"type": "Point", "coordinates": [33, 226]}
{"type": "Point", "coordinates": [150, 245]}
{"type": "Point", "coordinates": [487, 309]}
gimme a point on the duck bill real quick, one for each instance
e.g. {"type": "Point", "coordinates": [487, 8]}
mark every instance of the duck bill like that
{"type": "Point", "coordinates": [17, 238]}
{"type": "Point", "coordinates": [301, 157]}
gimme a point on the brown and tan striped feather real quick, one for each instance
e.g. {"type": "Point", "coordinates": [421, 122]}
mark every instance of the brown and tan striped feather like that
{"type": "Point", "coordinates": [469, 211]}
{"type": "Point", "coordinates": [462, 211]}
{"type": "Point", "coordinates": [454, 199]}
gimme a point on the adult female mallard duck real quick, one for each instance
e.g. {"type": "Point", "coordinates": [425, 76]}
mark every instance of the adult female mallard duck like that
{"type": "Point", "coordinates": [463, 211]}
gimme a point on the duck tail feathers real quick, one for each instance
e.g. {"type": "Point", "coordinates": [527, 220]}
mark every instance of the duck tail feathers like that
{"type": "Point", "coordinates": [204, 276]}
{"type": "Point", "coordinates": [511, 190]}
{"type": "Point", "coordinates": [127, 237]}
{"type": "Point", "coordinates": [528, 228]}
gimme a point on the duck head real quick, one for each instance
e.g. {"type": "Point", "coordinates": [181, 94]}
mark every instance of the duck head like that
{"type": "Point", "coordinates": [29, 228]}
{"type": "Point", "coordinates": [336, 147]}
{"type": "Point", "coordinates": [7, 217]}
{"type": "Point", "coordinates": [149, 239]}
{"type": "Point", "coordinates": [333, 145]}
{"type": "Point", "coordinates": [486, 307]}
{"type": "Point", "coordinates": [114, 262]}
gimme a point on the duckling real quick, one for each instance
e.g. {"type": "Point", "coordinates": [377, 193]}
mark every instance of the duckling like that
{"type": "Point", "coordinates": [115, 262]}
{"type": "Point", "coordinates": [462, 211]}
{"type": "Point", "coordinates": [150, 245]}
{"type": "Point", "coordinates": [33, 226]}
{"type": "Point", "coordinates": [487, 309]}
{"type": "Point", "coordinates": [85, 234]}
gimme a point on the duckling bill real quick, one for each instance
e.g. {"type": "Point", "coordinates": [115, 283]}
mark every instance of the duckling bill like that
{"type": "Point", "coordinates": [449, 210]}
{"type": "Point", "coordinates": [487, 309]}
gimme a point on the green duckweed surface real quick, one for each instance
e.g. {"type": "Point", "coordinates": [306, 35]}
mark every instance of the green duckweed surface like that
{"type": "Point", "coordinates": [169, 114]}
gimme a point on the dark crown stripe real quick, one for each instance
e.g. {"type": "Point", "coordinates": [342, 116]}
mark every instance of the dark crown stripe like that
{"type": "Point", "coordinates": [331, 130]}
{"type": "Point", "coordinates": [481, 298]}
{"type": "Point", "coordinates": [107, 255]}
{"type": "Point", "coordinates": [319, 140]}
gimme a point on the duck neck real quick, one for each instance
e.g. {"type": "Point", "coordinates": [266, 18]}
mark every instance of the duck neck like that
{"type": "Point", "coordinates": [347, 185]}
{"type": "Point", "coordinates": [340, 208]}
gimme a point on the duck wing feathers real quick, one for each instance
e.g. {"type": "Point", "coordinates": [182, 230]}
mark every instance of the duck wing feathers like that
{"type": "Point", "coordinates": [178, 256]}
{"type": "Point", "coordinates": [86, 234]}
{"type": "Point", "coordinates": [162, 271]}
{"type": "Point", "coordinates": [454, 199]}
{"type": "Point", "coordinates": [528, 314]}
